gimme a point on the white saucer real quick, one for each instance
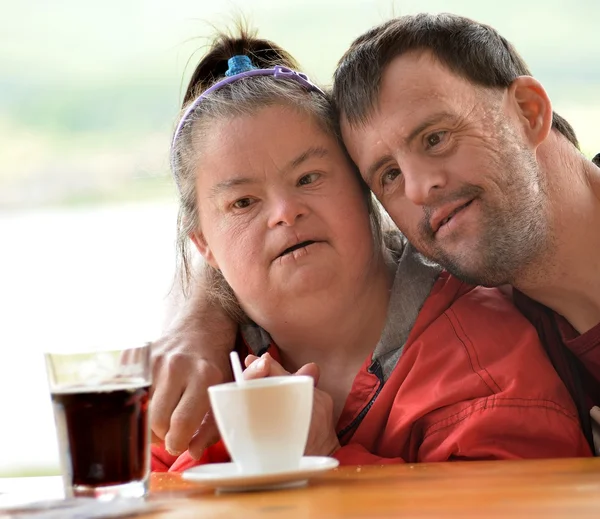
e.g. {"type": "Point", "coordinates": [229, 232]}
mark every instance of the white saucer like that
{"type": "Point", "coordinates": [225, 477]}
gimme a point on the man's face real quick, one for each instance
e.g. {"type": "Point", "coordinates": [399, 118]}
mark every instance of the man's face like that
{"type": "Point", "coordinates": [449, 162]}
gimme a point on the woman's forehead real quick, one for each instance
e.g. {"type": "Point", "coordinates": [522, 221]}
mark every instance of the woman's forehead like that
{"type": "Point", "coordinates": [275, 133]}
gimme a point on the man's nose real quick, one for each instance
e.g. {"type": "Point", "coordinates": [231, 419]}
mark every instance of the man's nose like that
{"type": "Point", "coordinates": [422, 181]}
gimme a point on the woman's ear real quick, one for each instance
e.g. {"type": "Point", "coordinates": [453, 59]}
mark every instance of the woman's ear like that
{"type": "Point", "coordinates": [534, 108]}
{"type": "Point", "coordinates": [200, 242]}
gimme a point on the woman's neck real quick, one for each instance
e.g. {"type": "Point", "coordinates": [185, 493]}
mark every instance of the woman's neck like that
{"type": "Point", "coordinates": [340, 331]}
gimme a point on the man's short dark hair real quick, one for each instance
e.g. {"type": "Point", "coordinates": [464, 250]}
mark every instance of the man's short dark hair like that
{"type": "Point", "coordinates": [472, 50]}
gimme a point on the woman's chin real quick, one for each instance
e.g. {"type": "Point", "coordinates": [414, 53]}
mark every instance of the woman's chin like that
{"type": "Point", "coordinates": [306, 281]}
{"type": "Point", "coordinates": [296, 288]}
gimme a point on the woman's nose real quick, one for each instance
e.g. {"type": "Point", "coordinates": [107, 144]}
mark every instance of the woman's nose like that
{"type": "Point", "coordinates": [287, 210]}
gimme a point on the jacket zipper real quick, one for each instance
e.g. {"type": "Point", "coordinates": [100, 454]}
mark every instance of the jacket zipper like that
{"type": "Point", "coordinates": [374, 368]}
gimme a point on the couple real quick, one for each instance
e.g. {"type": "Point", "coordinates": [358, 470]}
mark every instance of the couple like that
{"type": "Point", "coordinates": [462, 148]}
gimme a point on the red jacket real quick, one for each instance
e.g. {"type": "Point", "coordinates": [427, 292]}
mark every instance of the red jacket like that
{"type": "Point", "coordinates": [472, 383]}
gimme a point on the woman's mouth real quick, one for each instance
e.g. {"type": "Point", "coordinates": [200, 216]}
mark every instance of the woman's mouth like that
{"type": "Point", "coordinates": [296, 247]}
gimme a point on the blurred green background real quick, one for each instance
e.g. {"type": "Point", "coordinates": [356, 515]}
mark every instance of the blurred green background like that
{"type": "Point", "coordinates": [89, 93]}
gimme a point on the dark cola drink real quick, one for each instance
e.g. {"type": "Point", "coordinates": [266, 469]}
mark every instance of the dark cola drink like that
{"type": "Point", "coordinates": [103, 434]}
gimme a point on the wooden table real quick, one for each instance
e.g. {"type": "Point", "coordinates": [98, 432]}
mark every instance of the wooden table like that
{"type": "Point", "coordinates": [513, 489]}
{"type": "Point", "coordinates": [546, 489]}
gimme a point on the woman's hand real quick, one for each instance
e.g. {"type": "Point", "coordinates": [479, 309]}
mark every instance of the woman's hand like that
{"type": "Point", "coordinates": [322, 438]}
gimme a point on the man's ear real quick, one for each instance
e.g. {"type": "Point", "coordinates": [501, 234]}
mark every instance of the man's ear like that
{"type": "Point", "coordinates": [534, 108]}
{"type": "Point", "coordinates": [200, 242]}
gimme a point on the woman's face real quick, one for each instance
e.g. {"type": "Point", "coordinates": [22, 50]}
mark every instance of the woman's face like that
{"type": "Point", "coordinates": [282, 213]}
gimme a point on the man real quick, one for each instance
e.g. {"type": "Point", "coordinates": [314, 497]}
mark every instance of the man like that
{"type": "Point", "coordinates": [463, 149]}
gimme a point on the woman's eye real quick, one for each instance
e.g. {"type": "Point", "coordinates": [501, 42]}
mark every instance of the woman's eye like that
{"type": "Point", "coordinates": [389, 176]}
{"type": "Point", "coordinates": [308, 179]}
{"type": "Point", "coordinates": [243, 203]}
{"type": "Point", "coordinates": [433, 139]}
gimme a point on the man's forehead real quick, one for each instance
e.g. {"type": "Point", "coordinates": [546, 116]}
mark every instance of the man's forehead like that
{"type": "Point", "coordinates": [418, 76]}
{"type": "Point", "coordinates": [415, 88]}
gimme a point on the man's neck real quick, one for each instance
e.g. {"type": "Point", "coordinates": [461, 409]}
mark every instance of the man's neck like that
{"type": "Point", "coordinates": [567, 277]}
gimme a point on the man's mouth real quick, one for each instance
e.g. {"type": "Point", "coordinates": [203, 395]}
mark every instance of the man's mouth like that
{"type": "Point", "coordinates": [449, 217]}
{"type": "Point", "coordinates": [453, 214]}
{"type": "Point", "coordinates": [296, 247]}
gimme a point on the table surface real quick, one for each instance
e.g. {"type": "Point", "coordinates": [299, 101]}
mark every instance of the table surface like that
{"type": "Point", "coordinates": [564, 488]}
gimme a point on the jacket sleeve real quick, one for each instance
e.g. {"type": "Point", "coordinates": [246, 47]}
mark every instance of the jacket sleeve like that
{"type": "Point", "coordinates": [504, 428]}
{"type": "Point", "coordinates": [489, 429]}
{"type": "Point", "coordinates": [162, 461]}
{"type": "Point", "coordinates": [356, 454]}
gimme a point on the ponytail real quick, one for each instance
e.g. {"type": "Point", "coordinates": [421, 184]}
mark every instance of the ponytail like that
{"type": "Point", "coordinates": [212, 68]}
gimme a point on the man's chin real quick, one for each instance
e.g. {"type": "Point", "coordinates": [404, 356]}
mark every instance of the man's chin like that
{"type": "Point", "coordinates": [476, 275]}
{"type": "Point", "coordinates": [472, 270]}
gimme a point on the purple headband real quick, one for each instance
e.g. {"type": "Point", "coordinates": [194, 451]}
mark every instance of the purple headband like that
{"type": "Point", "coordinates": [278, 72]}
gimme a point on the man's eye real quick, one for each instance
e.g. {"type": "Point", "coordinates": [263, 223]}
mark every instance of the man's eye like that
{"type": "Point", "coordinates": [389, 176]}
{"type": "Point", "coordinates": [243, 203]}
{"type": "Point", "coordinates": [433, 139]}
{"type": "Point", "coordinates": [308, 179]}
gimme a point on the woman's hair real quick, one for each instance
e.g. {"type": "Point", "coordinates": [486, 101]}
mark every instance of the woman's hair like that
{"type": "Point", "coordinates": [242, 97]}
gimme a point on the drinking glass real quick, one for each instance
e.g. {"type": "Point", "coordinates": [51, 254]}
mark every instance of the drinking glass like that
{"type": "Point", "coordinates": [100, 401]}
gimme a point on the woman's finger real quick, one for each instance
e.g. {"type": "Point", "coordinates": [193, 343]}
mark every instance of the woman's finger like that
{"type": "Point", "coordinates": [275, 369]}
{"type": "Point", "coordinates": [311, 370]}
{"type": "Point", "coordinates": [250, 359]}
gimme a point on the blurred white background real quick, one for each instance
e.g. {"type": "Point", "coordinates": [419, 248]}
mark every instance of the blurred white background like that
{"type": "Point", "coordinates": [88, 96]}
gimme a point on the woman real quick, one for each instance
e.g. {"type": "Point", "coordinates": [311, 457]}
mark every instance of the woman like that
{"type": "Point", "coordinates": [414, 365]}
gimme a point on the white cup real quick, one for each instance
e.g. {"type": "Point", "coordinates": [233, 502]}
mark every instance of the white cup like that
{"type": "Point", "coordinates": [265, 422]}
